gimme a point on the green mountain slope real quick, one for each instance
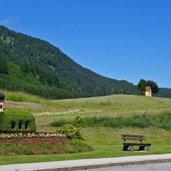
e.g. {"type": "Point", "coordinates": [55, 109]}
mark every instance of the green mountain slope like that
{"type": "Point", "coordinates": [37, 67]}
{"type": "Point", "coordinates": [164, 92]}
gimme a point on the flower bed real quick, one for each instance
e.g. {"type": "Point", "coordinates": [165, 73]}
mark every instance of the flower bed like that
{"type": "Point", "coordinates": [30, 146]}
{"type": "Point", "coordinates": [30, 135]}
{"type": "Point", "coordinates": [39, 143]}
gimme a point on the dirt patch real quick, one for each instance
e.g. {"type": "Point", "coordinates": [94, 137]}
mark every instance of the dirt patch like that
{"type": "Point", "coordinates": [26, 105]}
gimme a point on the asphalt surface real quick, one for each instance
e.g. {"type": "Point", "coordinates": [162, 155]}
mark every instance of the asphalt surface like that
{"type": "Point", "coordinates": [67, 165]}
{"type": "Point", "coordinates": [145, 167]}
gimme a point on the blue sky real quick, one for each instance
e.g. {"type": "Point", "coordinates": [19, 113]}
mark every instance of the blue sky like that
{"type": "Point", "coordinates": [120, 39]}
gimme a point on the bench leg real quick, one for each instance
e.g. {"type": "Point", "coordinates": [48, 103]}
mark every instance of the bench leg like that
{"type": "Point", "coordinates": [144, 148]}
{"type": "Point", "coordinates": [125, 148]}
{"type": "Point", "coordinates": [147, 148]}
{"type": "Point", "coordinates": [128, 148]}
{"type": "Point", "coordinates": [131, 148]}
{"type": "Point", "coordinates": [141, 148]}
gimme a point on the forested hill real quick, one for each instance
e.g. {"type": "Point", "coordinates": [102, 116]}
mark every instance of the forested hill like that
{"type": "Point", "coordinates": [37, 67]}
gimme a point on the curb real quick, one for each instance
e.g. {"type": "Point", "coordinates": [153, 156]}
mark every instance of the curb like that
{"type": "Point", "coordinates": [108, 165]}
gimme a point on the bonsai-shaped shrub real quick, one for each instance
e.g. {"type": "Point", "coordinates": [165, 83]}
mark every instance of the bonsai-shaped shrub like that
{"type": "Point", "coordinates": [16, 120]}
{"type": "Point", "coordinates": [70, 131]}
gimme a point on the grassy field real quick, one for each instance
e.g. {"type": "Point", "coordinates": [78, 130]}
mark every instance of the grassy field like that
{"type": "Point", "coordinates": [105, 141]}
{"type": "Point", "coordinates": [105, 105]}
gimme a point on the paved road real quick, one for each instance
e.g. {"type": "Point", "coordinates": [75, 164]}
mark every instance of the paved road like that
{"type": "Point", "coordinates": [145, 167]}
{"type": "Point", "coordinates": [124, 163]}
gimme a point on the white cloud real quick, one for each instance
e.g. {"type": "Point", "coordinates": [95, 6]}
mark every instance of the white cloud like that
{"type": "Point", "coordinates": [8, 21]}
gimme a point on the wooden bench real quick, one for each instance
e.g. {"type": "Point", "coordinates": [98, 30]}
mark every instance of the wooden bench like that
{"type": "Point", "coordinates": [129, 146]}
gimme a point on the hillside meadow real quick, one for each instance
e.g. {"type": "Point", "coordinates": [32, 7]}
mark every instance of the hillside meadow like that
{"type": "Point", "coordinates": [105, 140]}
{"type": "Point", "coordinates": [104, 105]}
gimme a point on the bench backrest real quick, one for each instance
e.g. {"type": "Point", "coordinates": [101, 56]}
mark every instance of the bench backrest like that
{"type": "Point", "coordinates": [132, 137]}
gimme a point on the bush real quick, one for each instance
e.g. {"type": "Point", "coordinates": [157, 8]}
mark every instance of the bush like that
{"type": "Point", "coordinates": [70, 131]}
{"type": "Point", "coordinates": [15, 120]}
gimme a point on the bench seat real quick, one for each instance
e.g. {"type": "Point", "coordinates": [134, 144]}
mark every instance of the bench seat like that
{"type": "Point", "coordinates": [126, 137]}
{"type": "Point", "coordinates": [129, 146]}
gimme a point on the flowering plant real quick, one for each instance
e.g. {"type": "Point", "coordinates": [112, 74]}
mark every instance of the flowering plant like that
{"type": "Point", "coordinates": [70, 131]}
{"type": "Point", "coordinates": [30, 135]}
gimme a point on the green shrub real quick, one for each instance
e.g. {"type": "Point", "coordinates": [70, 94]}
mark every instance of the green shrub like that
{"type": "Point", "coordinates": [70, 131]}
{"type": "Point", "coordinates": [5, 148]}
{"type": "Point", "coordinates": [15, 120]}
{"type": "Point", "coordinates": [28, 150]}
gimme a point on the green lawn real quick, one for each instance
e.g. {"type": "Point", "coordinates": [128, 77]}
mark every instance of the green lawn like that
{"type": "Point", "coordinates": [106, 142]}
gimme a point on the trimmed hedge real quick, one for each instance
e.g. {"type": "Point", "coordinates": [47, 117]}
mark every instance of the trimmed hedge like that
{"type": "Point", "coordinates": [16, 120]}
